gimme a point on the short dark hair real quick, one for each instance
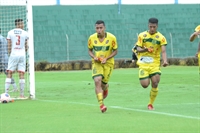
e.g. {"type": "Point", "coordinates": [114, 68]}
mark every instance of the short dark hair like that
{"type": "Point", "coordinates": [18, 20]}
{"type": "Point", "coordinates": [153, 20]}
{"type": "Point", "coordinates": [100, 22]}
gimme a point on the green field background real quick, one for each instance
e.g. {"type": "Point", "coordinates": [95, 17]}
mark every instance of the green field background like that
{"type": "Point", "coordinates": [66, 103]}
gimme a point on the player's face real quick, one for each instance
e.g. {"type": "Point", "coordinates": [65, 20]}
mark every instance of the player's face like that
{"type": "Point", "coordinates": [152, 28]}
{"type": "Point", "coordinates": [20, 25]}
{"type": "Point", "coordinates": [100, 29]}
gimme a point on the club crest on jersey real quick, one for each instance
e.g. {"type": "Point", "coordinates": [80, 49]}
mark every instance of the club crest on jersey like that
{"type": "Point", "coordinates": [141, 72]}
{"type": "Point", "coordinates": [144, 35]}
{"type": "Point", "coordinates": [107, 41]}
{"type": "Point", "coordinates": [157, 36]}
{"type": "Point", "coordinates": [95, 41]}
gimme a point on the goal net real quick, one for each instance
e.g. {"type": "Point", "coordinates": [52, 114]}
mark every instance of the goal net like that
{"type": "Point", "coordinates": [9, 11]}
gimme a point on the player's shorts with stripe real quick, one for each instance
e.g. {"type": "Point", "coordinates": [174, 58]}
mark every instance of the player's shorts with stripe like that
{"type": "Point", "coordinates": [147, 71]}
{"type": "Point", "coordinates": [17, 63]}
{"type": "Point", "coordinates": [104, 70]}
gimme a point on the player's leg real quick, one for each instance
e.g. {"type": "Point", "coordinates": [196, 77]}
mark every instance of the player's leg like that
{"type": "Point", "coordinates": [144, 76]}
{"type": "Point", "coordinates": [8, 81]}
{"type": "Point", "coordinates": [21, 70]}
{"type": "Point", "coordinates": [12, 79]}
{"type": "Point", "coordinates": [12, 64]}
{"type": "Point", "coordinates": [13, 83]}
{"type": "Point", "coordinates": [108, 68]}
{"type": "Point", "coordinates": [199, 60]}
{"type": "Point", "coordinates": [21, 83]}
{"type": "Point", "coordinates": [97, 74]}
{"type": "Point", "coordinates": [155, 79]}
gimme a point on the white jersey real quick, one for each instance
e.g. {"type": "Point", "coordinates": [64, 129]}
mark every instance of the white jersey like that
{"type": "Point", "coordinates": [18, 38]}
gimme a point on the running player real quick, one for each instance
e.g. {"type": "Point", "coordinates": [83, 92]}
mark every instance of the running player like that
{"type": "Point", "coordinates": [102, 47]}
{"type": "Point", "coordinates": [149, 46]}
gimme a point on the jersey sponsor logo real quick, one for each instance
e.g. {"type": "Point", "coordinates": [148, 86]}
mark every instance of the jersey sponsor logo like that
{"type": "Point", "coordinates": [153, 41]}
{"type": "Point", "coordinates": [17, 32]}
{"type": "Point", "coordinates": [146, 59]}
{"type": "Point", "coordinates": [101, 48]}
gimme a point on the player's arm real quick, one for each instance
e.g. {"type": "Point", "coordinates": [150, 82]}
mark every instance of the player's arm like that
{"type": "Point", "coordinates": [9, 46]}
{"type": "Point", "coordinates": [139, 44]}
{"type": "Point", "coordinates": [194, 35]}
{"type": "Point", "coordinates": [164, 56]}
{"type": "Point", "coordinates": [142, 49]}
{"type": "Point", "coordinates": [163, 50]}
{"type": "Point", "coordinates": [90, 50]}
{"type": "Point", "coordinates": [115, 51]}
{"type": "Point", "coordinates": [198, 50]}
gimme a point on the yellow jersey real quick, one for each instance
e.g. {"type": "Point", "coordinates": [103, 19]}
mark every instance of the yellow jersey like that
{"type": "Point", "coordinates": [155, 41]}
{"type": "Point", "coordinates": [105, 48]}
{"type": "Point", "coordinates": [197, 28]}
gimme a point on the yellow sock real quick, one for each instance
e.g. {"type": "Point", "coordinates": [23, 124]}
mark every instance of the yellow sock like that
{"type": "Point", "coordinates": [100, 98]}
{"type": "Point", "coordinates": [153, 94]}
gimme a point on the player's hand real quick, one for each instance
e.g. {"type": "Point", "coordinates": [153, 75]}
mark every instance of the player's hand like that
{"type": "Point", "coordinates": [150, 50]}
{"type": "Point", "coordinates": [103, 61]}
{"type": "Point", "coordinates": [96, 59]}
{"type": "Point", "coordinates": [165, 63]}
{"type": "Point", "coordinates": [197, 33]}
{"type": "Point", "coordinates": [196, 55]}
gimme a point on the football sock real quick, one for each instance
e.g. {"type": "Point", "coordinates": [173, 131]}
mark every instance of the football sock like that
{"type": "Point", "coordinates": [13, 83]}
{"type": "Point", "coordinates": [100, 98]}
{"type": "Point", "coordinates": [7, 84]}
{"type": "Point", "coordinates": [153, 94]}
{"type": "Point", "coordinates": [22, 85]}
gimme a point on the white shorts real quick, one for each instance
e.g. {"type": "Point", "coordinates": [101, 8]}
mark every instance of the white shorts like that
{"type": "Point", "coordinates": [17, 63]}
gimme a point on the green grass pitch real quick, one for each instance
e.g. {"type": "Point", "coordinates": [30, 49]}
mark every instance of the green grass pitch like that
{"type": "Point", "coordinates": [66, 103]}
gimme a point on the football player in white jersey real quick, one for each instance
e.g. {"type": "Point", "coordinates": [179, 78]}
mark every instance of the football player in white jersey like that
{"type": "Point", "coordinates": [17, 47]}
{"type": "Point", "coordinates": [4, 58]}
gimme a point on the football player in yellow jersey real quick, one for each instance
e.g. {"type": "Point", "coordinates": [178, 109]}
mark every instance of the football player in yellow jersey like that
{"type": "Point", "coordinates": [192, 38]}
{"type": "Point", "coordinates": [134, 54]}
{"type": "Point", "coordinates": [149, 46]}
{"type": "Point", "coordinates": [102, 47]}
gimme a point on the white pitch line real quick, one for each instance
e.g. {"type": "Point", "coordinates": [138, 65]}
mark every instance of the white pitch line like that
{"type": "Point", "coordinates": [146, 111]}
{"type": "Point", "coordinates": [130, 109]}
{"type": "Point", "coordinates": [155, 112]}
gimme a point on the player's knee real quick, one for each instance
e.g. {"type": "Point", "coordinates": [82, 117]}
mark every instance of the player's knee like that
{"type": "Point", "coordinates": [98, 79]}
{"type": "Point", "coordinates": [145, 85]}
{"type": "Point", "coordinates": [155, 84]}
